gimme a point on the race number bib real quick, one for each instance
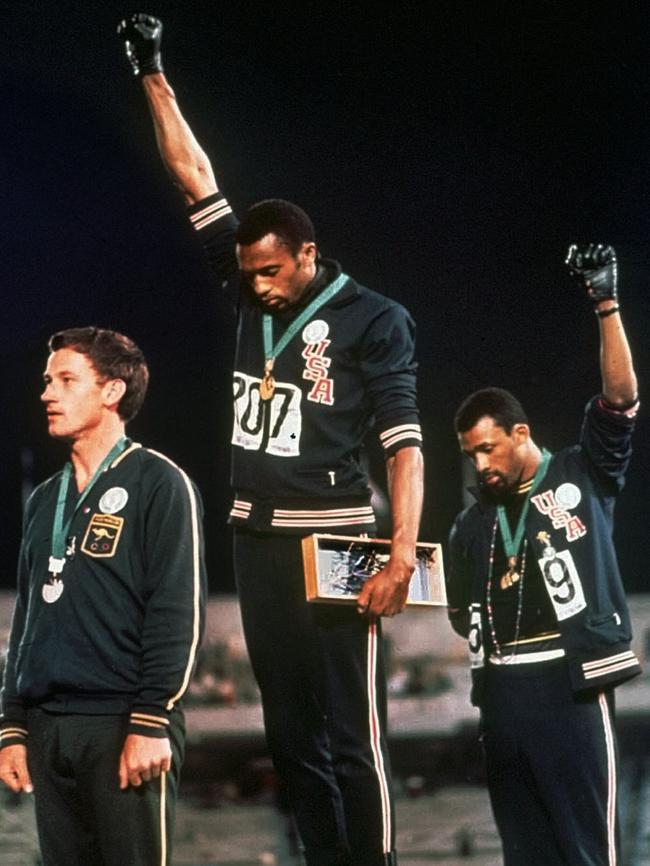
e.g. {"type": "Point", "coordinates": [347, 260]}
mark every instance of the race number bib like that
{"type": "Point", "coordinates": [274, 425]}
{"type": "Point", "coordinates": [475, 638]}
{"type": "Point", "coordinates": [563, 583]}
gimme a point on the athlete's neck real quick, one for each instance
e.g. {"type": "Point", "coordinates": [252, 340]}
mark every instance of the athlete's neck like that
{"type": "Point", "coordinates": [88, 451]}
{"type": "Point", "coordinates": [532, 463]}
{"type": "Point", "coordinates": [313, 287]}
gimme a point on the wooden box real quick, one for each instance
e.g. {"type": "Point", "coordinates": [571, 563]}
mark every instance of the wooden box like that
{"type": "Point", "coordinates": [337, 566]}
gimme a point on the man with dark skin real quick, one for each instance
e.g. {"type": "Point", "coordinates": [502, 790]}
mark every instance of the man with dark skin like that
{"type": "Point", "coordinates": [317, 357]}
{"type": "Point", "coordinates": [534, 585]}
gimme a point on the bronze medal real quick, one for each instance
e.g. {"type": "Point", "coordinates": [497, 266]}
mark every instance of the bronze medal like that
{"type": "Point", "coordinates": [267, 387]}
{"type": "Point", "coordinates": [512, 575]}
{"type": "Point", "coordinates": [267, 384]}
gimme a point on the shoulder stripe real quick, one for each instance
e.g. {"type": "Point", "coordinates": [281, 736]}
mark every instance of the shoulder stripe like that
{"type": "Point", "coordinates": [132, 447]}
{"type": "Point", "coordinates": [196, 580]}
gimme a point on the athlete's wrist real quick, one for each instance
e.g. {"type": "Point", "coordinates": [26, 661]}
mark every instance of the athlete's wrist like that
{"type": "Point", "coordinates": [402, 560]}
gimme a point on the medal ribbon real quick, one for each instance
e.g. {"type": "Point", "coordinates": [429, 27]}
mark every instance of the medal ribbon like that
{"type": "Point", "coordinates": [270, 351]}
{"type": "Point", "coordinates": [511, 545]}
{"type": "Point", "coordinates": [59, 531]}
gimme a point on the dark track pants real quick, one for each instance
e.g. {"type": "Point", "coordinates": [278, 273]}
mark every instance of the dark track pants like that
{"type": "Point", "coordinates": [320, 673]}
{"type": "Point", "coordinates": [551, 765]}
{"type": "Point", "coordinates": [83, 818]}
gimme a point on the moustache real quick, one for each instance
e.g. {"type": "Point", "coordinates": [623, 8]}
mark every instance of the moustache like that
{"type": "Point", "coordinates": [485, 477]}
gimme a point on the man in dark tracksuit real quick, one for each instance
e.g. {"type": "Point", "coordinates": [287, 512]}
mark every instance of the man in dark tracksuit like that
{"type": "Point", "coordinates": [107, 622]}
{"type": "Point", "coordinates": [319, 360]}
{"type": "Point", "coordinates": [534, 584]}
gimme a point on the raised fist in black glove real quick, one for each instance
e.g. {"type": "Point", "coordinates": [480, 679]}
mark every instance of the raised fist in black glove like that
{"type": "Point", "coordinates": [594, 268]}
{"type": "Point", "coordinates": [142, 35]}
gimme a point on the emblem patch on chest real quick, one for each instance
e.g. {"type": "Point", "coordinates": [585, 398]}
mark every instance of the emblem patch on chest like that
{"type": "Point", "coordinates": [102, 535]}
{"type": "Point", "coordinates": [113, 500]}
{"type": "Point", "coordinates": [556, 504]}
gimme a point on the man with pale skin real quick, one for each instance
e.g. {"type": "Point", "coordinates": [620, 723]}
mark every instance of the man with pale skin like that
{"type": "Point", "coordinates": [535, 587]}
{"type": "Point", "coordinates": [320, 362]}
{"type": "Point", "coordinates": [107, 620]}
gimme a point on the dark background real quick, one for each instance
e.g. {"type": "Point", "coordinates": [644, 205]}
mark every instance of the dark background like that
{"type": "Point", "coordinates": [446, 160]}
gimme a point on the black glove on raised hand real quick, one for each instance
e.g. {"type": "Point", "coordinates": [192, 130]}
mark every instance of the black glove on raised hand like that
{"type": "Point", "coordinates": [594, 268]}
{"type": "Point", "coordinates": [142, 34]}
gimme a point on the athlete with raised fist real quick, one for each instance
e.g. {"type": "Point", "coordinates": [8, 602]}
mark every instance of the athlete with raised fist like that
{"type": "Point", "coordinates": [535, 586]}
{"type": "Point", "coordinates": [320, 360]}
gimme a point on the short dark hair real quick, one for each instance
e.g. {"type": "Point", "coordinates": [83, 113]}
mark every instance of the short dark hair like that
{"type": "Point", "coordinates": [114, 356]}
{"type": "Point", "coordinates": [496, 403]}
{"type": "Point", "coordinates": [275, 216]}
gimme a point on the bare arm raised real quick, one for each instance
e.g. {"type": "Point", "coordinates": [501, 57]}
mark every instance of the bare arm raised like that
{"type": "Point", "coordinates": [182, 155]}
{"type": "Point", "coordinates": [594, 267]}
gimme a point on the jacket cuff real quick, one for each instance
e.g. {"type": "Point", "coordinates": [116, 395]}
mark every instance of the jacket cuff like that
{"type": "Point", "coordinates": [404, 433]}
{"type": "Point", "coordinates": [629, 410]}
{"type": "Point", "coordinates": [210, 210]}
{"type": "Point", "coordinates": [12, 735]}
{"type": "Point", "coordinates": [148, 722]}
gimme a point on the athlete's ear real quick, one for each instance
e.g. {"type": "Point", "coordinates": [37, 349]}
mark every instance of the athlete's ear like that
{"type": "Point", "coordinates": [113, 391]}
{"type": "Point", "coordinates": [520, 433]}
{"type": "Point", "coordinates": [308, 252]}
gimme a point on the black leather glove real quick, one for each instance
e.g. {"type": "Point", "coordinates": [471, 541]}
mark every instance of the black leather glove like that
{"type": "Point", "coordinates": [142, 36]}
{"type": "Point", "coordinates": [594, 269]}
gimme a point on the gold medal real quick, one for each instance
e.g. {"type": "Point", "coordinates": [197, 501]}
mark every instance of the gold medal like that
{"type": "Point", "coordinates": [267, 385]}
{"type": "Point", "coordinates": [512, 575]}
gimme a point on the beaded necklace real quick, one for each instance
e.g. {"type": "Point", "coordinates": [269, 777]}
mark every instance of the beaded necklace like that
{"type": "Point", "coordinates": [488, 595]}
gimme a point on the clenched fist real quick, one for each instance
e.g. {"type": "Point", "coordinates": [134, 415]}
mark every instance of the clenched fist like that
{"type": "Point", "coordinates": [594, 268]}
{"type": "Point", "coordinates": [142, 36]}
